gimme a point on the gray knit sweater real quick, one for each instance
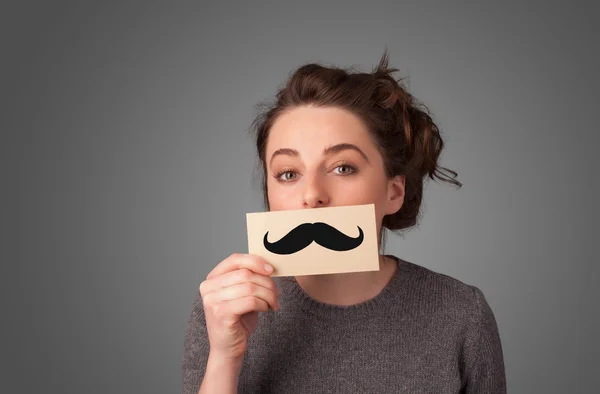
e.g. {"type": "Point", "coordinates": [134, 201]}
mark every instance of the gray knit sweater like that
{"type": "Point", "coordinates": [424, 333]}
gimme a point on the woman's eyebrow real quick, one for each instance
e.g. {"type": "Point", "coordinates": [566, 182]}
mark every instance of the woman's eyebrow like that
{"type": "Point", "coordinates": [345, 146]}
{"type": "Point", "coordinates": [327, 151]}
{"type": "Point", "coordinates": [284, 151]}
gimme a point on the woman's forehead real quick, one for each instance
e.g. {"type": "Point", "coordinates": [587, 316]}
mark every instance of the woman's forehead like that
{"type": "Point", "coordinates": [314, 129]}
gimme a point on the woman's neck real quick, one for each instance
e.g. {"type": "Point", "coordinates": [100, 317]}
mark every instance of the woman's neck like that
{"type": "Point", "coordinates": [348, 288]}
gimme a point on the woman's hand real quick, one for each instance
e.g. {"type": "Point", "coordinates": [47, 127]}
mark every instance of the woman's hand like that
{"type": "Point", "coordinates": [233, 293]}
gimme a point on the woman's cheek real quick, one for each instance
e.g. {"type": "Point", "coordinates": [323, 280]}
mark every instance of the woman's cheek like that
{"type": "Point", "coordinates": [282, 197]}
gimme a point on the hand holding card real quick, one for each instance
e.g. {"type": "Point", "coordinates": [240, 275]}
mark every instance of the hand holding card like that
{"type": "Point", "coordinates": [232, 295]}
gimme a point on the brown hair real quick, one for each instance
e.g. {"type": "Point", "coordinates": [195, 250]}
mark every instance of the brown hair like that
{"type": "Point", "coordinates": [400, 126]}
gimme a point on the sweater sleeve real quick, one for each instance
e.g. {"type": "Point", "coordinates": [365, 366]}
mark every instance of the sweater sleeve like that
{"type": "Point", "coordinates": [196, 348]}
{"type": "Point", "coordinates": [482, 355]}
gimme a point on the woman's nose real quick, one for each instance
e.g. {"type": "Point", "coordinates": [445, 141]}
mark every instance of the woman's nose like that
{"type": "Point", "coordinates": [315, 194]}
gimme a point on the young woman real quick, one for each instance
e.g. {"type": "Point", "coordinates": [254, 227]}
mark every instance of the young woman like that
{"type": "Point", "coordinates": [333, 138]}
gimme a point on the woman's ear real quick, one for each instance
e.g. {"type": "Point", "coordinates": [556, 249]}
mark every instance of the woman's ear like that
{"type": "Point", "coordinates": [395, 194]}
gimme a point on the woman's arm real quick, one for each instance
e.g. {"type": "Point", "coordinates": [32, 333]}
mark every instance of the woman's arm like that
{"type": "Point", "coordinates": [203, 372]}
{"type": "Point", "coordinates": [221, 376]}
{"type": "Point", "coordinates": [483, 356]}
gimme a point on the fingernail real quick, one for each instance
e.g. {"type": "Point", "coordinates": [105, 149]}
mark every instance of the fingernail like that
{"type": "Point", "coordinates": [268, 268]}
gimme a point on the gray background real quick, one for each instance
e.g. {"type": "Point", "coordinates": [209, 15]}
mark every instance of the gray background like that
{"type": "Point", "coordinates": [127, 170]}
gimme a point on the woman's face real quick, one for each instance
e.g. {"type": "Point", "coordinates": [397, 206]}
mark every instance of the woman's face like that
{"type": "Point", "coordinates": [323, 157]}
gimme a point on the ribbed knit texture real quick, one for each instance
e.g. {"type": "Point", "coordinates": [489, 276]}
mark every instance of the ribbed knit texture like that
{"type": "Point", "coordinates": [425, 332]}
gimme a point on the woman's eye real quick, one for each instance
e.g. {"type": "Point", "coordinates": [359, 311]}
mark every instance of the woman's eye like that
{"type": "Point", "coordinates": [345, 169]}
{"type": "Point", "coordinates": [287, 175]}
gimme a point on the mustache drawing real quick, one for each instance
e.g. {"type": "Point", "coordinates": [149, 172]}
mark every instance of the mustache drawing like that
{"type": "Point", "coordinates": [304, 234]}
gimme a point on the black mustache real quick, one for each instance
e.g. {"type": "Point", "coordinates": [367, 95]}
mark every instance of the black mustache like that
{"type": "Point", "coordinates": [322, 233]}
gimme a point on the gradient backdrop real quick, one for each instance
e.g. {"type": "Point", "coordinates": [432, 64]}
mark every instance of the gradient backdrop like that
{"type": "Point", "coordinates": [127, 171]}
